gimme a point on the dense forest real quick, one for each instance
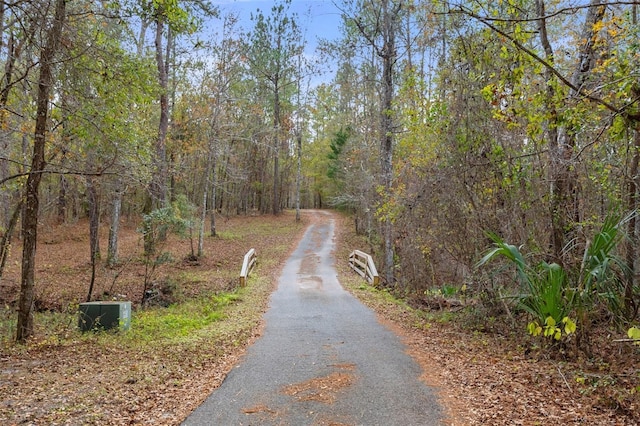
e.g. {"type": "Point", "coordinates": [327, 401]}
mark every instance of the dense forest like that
{"type": "Point", "coordinates": [490, 149]}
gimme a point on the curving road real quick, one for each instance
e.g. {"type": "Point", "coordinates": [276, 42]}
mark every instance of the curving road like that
{"type": "Point", "coordinates": [323, 358]}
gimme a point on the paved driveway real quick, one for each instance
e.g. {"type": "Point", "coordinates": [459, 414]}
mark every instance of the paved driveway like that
{"type": "Point", "coordinates": [323, 358]}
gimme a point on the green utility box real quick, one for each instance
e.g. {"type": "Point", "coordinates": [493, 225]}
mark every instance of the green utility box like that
{"type": "Point", "coordinates": [104, 315]}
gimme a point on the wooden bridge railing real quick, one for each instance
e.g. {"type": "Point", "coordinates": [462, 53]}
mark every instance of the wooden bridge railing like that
{"type": "Point", "coordinates": [247, 265]}
{"type": "Point", "coordinates": [363, 264]}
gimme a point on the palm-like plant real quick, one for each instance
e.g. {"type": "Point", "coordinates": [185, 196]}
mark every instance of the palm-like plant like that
{"type": "Point", "coordinates": [602, 270]}
{"type": "Point", "coordinates": [542, 287]}
{"type": "Point", "coordinates": [550, 294]}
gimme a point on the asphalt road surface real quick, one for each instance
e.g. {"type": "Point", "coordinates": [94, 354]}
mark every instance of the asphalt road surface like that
{"type": "Point", "coordinates": [323, 358]}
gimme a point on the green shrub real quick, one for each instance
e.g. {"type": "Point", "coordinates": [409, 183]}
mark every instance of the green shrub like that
{"type": "Point", "coordinates": [554, 296]}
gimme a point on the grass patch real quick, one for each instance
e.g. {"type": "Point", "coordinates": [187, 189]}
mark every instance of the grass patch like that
{"type": "Point", "coordinates": [178, 323]}
{"type": "Point", "coordinates": [7, 325]}
{"type": "Point", "coordinates": [186, 277]}
{"type": "Point", "coordinates": [151, 326]}
{"type": "Point", "coordinates": [174, 322]}
{"type": "Point", "coordinates": [230, 235]}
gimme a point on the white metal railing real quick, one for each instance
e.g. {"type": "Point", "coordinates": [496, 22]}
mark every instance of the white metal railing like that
{"type": "Point", "coordinates": [363, 264]}
{"type": "Point", "coordinates": [247, 265]}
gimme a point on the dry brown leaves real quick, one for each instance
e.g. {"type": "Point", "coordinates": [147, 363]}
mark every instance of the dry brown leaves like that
{"type": "Point", "coordinates": [481, 379]}
{"type": "Point", "coordinates": [484, 379]}
{"type": "Point", "coordinates": [58, 380]}
{"type": "Point", "coordinates": [486, 382]}
{"type": "Point", "coordinates": [320, 389]}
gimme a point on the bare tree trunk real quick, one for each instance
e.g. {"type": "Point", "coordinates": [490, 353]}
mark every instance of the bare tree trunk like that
{"type": "Point", "coordinates": [389, 56]}
{"type": "Point", "coordinates": [551, 131]}
{"type": "Point", "coordinates": [214, 186]}
{"type": "Point", "coordinates": [62, 191]}
{"type": "Point", "coordinates": [159, 181]}
{"type": "Point", "coordinates": [94, 224]}
{"type": "Point", "coordinates": [203, 219]}
{"type": "Point", "coordinates": [141, 36]}
{"type": "Point", "coordinates": [5, 196]}
{"type": "Point", "coordinates": [299, 174]}
{"type": "Point", "coordinates": [24, 327]}
{"type": "Point", "coordinates": [158, 185]}
{"type": "Point", "coordinates": [4, 134]}
{"type": "Point", "coordinates": [564, 194]}
{"type": "Point", "coordinates": [632, 228]}
{"type": "Point", "coordinates": [114, 228]}
{"type": "Point", "coordinates": [631, 305]}
{"type": "Point", "coordinates": [565, 212]}
{"type": "Point", "coordinates": [5, 242]}
{"type": "Point", "coordinates": [386, 27]}
{"type": "Point", "coordinates": [276, 149]}
{"type": "Point", "coordinates": [10, 219]}
{"type": "Point", "coordinates": [205, 196]}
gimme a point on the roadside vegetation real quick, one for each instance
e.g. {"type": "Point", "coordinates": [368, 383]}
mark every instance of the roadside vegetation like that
{"type": "Point", "coordinates": [180, 345]}
{"type": "Point", "coordinates": [486, 365]}
{"type": "Point", "coordinates": [492, 365]}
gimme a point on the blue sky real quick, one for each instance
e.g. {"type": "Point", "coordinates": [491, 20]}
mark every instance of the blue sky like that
{"type": "Point", "coordinates": [317, 18]}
